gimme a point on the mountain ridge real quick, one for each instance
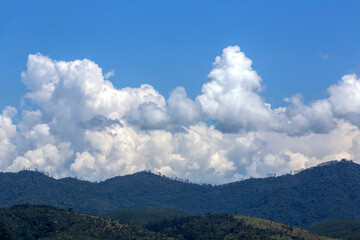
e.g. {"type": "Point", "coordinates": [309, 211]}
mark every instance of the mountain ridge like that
{"type": "Point", "coordinates": [319, 194]}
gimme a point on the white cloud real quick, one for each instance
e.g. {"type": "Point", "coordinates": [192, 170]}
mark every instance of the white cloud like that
{"type": "Point", "coordinates": [82, 125]}
{"type": "Point", "coordinates": [300, 119]}
{"type": "Point", "coordinates": [48, 158]}
{"type": "Point", "coordinates": [85, 165]}
{"type": "Point", "coordinates": [7, 136]}
{"type": "Point", "coordinates": [182, 109]}
{"type": "Point", "coordinates": [345, 98]}
{"type": "Point", "coordinates": [109, 74]}
{"type": "Point", "coordinates": [231, 99]}
{"type": "Point", "coordinates": [230, 96]}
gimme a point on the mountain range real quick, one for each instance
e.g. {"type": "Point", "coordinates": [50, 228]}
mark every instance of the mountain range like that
{"type": "Point", "coordinates": [327, 192]}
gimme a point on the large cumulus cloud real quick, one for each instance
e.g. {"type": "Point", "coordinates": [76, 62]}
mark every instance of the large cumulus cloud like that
{"type": "Point", "coordinates": [76, 123]}
{"type": "Point", "coordinates": [230, 96]}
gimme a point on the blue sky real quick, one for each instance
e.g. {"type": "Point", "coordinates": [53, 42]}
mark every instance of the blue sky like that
{"type": "Point", "coordinates": [173, 43]}
{"type": "Point", "coordinates": [217, 74]}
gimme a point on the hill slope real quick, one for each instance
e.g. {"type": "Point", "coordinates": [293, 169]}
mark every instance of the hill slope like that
{"type": "Point", "coordinates": [144, 216]}
{"type": "Point", "coordinates": [224, 226]}
{"type": "Point", "coordinates": [312, 196]}
{"type": "Point", "coordinates": [344, 229]}
{"type": "Point", "coordinates": [283, 228]}
{"type": "Point", "coordinates": [46, 222]}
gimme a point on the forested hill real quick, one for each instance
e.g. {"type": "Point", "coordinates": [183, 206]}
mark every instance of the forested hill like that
{"type": "Point", "coordinates": [315, 195]}
{"type": "Point", "coordinates": [47, 222]}
{"type": "Point", "coordinates": [33, 222]}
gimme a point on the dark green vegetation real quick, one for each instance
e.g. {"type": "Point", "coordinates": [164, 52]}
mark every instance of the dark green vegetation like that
{"type": "Point", "coordinates": [224, 226]}
{"type": "Point", "coordinates": [142, 217]}
{"type": "Point", "coordinates": [46, 222]}
{"type": "Point", "coordinates": [315, 195]}
{"type": "Point", "coordinates": [285, 229]}
{"type": "Point", "coordinates": [344, 229]}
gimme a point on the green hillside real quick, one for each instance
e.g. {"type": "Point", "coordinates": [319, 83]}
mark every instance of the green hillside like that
{"type": "Point", "coordinates": [344, 229]}
{"type": "Point", "coordinates": [224, 226]}
{"type": "Point", "coordinates": [312, 196]}
{"type": "Point", "coordinates": [144, 216]}
{"type": "Point", "coordinates": [285, 229]}
{"type": "Point", "coordinates": [315, 195]}
{"type": "Point", "coordinates": [46, 222]}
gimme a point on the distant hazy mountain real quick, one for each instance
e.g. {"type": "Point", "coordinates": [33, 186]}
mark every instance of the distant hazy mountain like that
{"type": "Point", "coordinates": [315, 195]}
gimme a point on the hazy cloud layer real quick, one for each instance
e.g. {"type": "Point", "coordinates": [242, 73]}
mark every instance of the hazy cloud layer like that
{"type": "Point", "coordinates": [76, 123]}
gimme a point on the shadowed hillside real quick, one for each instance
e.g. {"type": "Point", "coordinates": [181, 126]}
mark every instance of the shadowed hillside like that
{"type": "Point", "coordinates": [224, 226]}
{"type": "Point", "coordinates": [275, 226]}
{"type": "Point", "coordinates": [144, 216]}
{"type": "Point", "coordinates": [46, 222]}
{"type": "Point", "coordinates": [315, 195]}
{"type": "Point", "coordinates": [344, 229]}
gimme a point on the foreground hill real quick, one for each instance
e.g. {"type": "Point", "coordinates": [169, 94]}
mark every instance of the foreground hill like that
{"type": "Point", "coordinates": [46, 222]}
{"type": "Point", "coordinates": [224, 226]}
{"type": "Point", "coordinates": [344, 229]}
{"type": "Point", "coordinates": [285, 229]}
{"type": "Point", "coordinates": [145, 216]}
{"type": "Point", "coordinates": [315, 195]}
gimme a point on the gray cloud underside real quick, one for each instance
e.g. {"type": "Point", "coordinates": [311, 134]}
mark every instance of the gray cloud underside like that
{"type": "Point", "coordinates": [82, 125]}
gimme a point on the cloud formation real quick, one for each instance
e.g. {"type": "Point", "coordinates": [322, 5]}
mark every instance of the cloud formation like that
{"type": "Point", "coordinates": [230, 96]}
{"type": "Point", "coordinates": [76, 123]}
